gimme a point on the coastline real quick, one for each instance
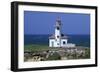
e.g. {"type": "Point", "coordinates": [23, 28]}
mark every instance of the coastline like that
{"type": "Point", "coordinates": [43, 53]}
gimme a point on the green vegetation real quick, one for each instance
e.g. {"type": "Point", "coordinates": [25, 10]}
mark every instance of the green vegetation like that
{"type": "Point", "coordinates": [46, 53]}
{"type": "Point", "coordinates": [34, 48]}
{"type": "Point", "coordinates": [87, 53]}
{"type": "Point", "coordinates": [55, 56]}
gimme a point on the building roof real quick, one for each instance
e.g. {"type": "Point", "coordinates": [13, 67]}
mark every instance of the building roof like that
{"type": "Point", "coordinates": [62, 37]}
{"type": "Point", "coordinates": [52, 36]}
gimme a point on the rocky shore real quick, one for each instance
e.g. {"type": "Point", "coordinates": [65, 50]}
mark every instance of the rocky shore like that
{"type": "Point", "coordinates": [61, 53]}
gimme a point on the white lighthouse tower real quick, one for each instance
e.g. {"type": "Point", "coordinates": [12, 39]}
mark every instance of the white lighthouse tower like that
{"type": "Point", "coordinates": [58, 32]}
{"type": "Point", "coordinates": [58, 39]}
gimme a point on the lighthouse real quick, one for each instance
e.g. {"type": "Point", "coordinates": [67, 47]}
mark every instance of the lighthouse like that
{"type": "Point", "coordinates": [58, 32]}
{"type": "Point", "coordinates": [58, 39]}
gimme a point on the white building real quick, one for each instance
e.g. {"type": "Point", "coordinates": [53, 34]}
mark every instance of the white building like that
{"type": "Point", "coordinates": [58, 39]}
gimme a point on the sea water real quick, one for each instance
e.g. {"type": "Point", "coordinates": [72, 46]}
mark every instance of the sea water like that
{"type": "Point", "coordinates": [79, 40]}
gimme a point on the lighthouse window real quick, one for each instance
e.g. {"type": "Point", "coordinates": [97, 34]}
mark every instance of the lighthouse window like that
{"type": "Point", "coordinates": [64, 42]}
{"type": "Point", "coordinates": [57, 36]}
{"type": "Point", "coordinates": [57, 28]}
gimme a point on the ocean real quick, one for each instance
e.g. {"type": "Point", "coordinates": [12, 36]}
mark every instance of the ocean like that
{"type": "Point", "coordinates": [79, 40]}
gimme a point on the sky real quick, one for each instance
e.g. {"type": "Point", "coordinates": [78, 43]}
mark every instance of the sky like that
{"type": "Point", "coordinates": [44, 22]}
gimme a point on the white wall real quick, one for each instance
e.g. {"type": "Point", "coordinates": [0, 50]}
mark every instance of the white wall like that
{"type": "Point", "coordinates": [51, 42]}
{"type": "Point", "coordinates": [5, 36]}
{"type": "Point", "coordinates": [62, 40]}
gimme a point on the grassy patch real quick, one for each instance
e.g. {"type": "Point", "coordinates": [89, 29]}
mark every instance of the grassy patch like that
{"type": "Point", "coordinates": [55, 56]}
{"type": "Point", "coordinates": [33, 47]}
{"type": "Point", "coordinates": [56, 52]}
